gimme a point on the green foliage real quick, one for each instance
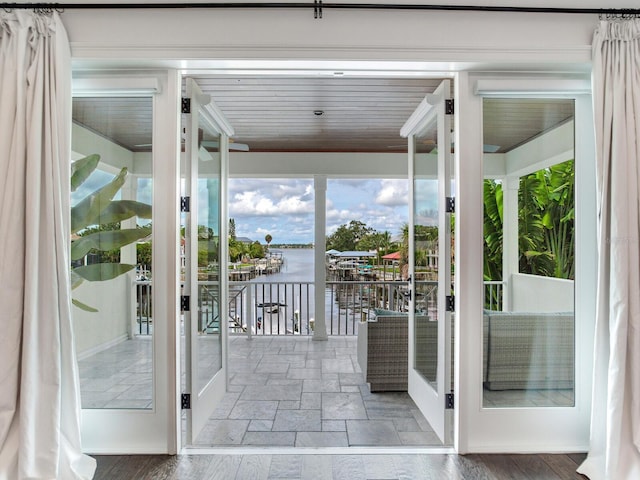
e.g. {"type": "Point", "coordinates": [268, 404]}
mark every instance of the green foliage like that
{"type": "Point", "coordinates": [107, 241]}
{"type": "Point", "coordinates": [203, 257]}
{"type": "Point", "coordinates": [426, 238]}
{"type": "Point", "coordinates": [236, 249]}
{"type": "Point", "coordinates": [205, 233]}
{"type": "Point", "coordinates": [256, 250]}
{"type": "Point", "coordinates": [81, 169]}
{"type": "Point", "coordinates": [143, 253]}
{"type": "Point", "coordinates": [493, 217]}
{"type": "Point", "coordinates": [348, 237]}
{"type": "Point", "coordinates": [546, 211]}
{"type": "Point", "coordinates": [207, 251]}
{"type": "Point", "coordinates": [95, 219]}
{"type": "Point", "coordinates": [378, 241]}
{"type": "Point", "coordinates": [545, 224]}
{"type": "Point", "coordinates": [232, 228]}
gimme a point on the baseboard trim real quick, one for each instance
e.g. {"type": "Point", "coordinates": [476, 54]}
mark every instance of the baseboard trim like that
{"type": "Point", "coordinates": [103, 346]}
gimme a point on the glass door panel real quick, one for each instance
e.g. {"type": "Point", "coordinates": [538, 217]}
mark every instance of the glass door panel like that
{"type": "Point", "coordinates": [112, 271]}
{"type": "Point", "coordinates": [426, 205]}
{"type": "Point", "coordinates": [208, 233]}
{"type": "Point", "coordinates": [205, 266]}
{"type": "Point", "coordinates": [430, 228]}
{"type": "Point", "coordinates": [122, 250]}
{"type": "Point", "coordinates": [529, 266]}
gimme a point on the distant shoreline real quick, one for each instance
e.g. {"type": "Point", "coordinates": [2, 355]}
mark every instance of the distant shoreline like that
{"type": "Point", "coordinates": [291, 245]}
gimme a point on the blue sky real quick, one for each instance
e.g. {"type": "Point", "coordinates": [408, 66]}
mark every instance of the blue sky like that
{"type": "Point", "coordinates": [284, 208]}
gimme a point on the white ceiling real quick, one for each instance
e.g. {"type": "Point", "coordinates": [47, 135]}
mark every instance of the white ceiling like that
{"type": "Point", "coordinates": [279, 114]}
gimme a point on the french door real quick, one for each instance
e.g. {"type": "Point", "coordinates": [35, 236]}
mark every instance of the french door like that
{"type": "Point", "coordinates": [205, 306]}
{"type": "Point", "coordinates": [123, 320]}
{"type": "Point", "coordinates": [430, 258]}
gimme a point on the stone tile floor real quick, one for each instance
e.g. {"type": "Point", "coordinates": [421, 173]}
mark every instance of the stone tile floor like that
{"type": "Point", "coordinates": [287, 391]}
{"type": "Point", "coordinates": [296, 392]}
{"type": "Point", "coordinates": [119, 377]}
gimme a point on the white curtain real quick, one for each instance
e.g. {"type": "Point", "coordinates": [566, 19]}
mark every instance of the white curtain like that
{"type": "Point", "coordinates": [39, 397]}
{"type": "Point", "coordinates": [614, 452]}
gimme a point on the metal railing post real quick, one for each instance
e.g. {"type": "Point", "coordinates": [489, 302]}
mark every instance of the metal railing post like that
{"type": "Point", "coordinates": [250, 310]}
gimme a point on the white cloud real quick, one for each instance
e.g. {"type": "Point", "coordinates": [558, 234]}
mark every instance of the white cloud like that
{"type": "Point", "coordinates": [257, 204]}
{"type": "Point", "coordinates": [393, 193]}
{"type": "Point", "coordinates": [284, 208]}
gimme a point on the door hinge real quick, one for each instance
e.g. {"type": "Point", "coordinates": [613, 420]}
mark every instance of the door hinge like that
{"type": "Point", "coordinates": [450, 303]}
{"type": "Point", "coordinates": [448, 106]}
{"type": "Point", "coordinates": [185, 303]}
{"type": "Point", "coordinates": [186, 105]}
{"type": "Point", "coordinates": [185, 401]}
{"type": "Point", "coordinates": [451, 205]}
{"type": "Point", "coordinates": [185, 204]}
{"type": "Point", "coordinates": [448, 401]}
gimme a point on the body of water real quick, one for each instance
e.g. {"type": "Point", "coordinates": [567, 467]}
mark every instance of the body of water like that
{"type": "Point", "coordinates": [296, 303]}
{"type": "Point", "coordinates": [297, 267]}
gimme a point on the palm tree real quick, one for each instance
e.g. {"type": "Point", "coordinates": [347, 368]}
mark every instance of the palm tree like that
{"type": "Point", "coordinates": [268, 238]}
{"type": "Point", "coordinates": [232, 228]}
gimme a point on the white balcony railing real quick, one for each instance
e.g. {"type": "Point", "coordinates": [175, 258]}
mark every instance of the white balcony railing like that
{"type": "Point", "coordinates": [288, 308]}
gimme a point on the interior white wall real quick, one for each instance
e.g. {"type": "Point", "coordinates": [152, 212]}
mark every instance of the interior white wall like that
{"type": "Point", "coordinates": [192, 38]}
{"type": "Point", "coordinates": [96, 331]}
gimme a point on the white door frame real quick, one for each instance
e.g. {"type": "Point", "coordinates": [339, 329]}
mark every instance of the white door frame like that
{"type": "Point", "coordinates": [205, 400]}
{"type": "Point", "coordinates": [544, 429]}
{"type": "Point", "coordinates": [430, 400]}
{"type": "Point", "coordinates": [472, 422]}
{"type": "Point", "coordinates": [120, 431]}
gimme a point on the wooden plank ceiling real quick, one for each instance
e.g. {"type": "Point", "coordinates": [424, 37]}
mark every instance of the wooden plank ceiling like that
{"type": "Point", "coordinates": [282, 114]}
{"type": "Point", "coordinates": [318, 114]}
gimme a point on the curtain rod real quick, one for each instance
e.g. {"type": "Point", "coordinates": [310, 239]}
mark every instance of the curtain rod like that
{"type": "Point", "coordinates": [318, 6]}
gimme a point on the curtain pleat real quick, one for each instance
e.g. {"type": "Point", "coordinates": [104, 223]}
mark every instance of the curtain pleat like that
{"type": "Point", "coordinates": [39, 399]}
{"type": "Point", "coordinates": [614, 452]}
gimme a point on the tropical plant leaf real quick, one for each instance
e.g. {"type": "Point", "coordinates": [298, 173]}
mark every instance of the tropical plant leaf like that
{"type": "Point", "coordinates": [81, 169]}
{"type": "Point", "coordinates": [87, 211]}
{"type": "Point", "coordinates": [76, 280]}
{"type": "Point", "coordinates": [119, 210]}
{"type": "Point", "coordinates": [83, 306]}
{"type": "Point", "coordinates": [99, 272]}
{"type": "Point", "coordinates": [107, 240]}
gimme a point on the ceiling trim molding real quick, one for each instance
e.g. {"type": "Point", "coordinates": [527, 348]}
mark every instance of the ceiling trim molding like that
{"type": "Point", "coordinates": [110, 86]}
{"type": "Point", "coordinates": [441, 59]}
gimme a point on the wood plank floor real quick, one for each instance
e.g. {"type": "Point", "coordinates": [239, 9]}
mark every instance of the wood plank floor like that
{"type": "Point", "coordinates": [335, 467]}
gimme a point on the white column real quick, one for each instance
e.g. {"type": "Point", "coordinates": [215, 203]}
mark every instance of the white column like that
{"type": "Point", "coordinates": [320, 247]}
{"type": "Point", "coordinates": [128, 253]}
{"type": "Point", "coordinates": [128, 191]}
{"type": "Point", "coordinates": [510, 254]}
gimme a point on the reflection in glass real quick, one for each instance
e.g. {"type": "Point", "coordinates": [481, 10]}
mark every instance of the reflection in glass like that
{"type": "Point", "coordinates": [208, 221]}
{"type": "Point", "coordinates": [111, 251]}
{"type": "Point", "coordinates": [426, 207]}
{"type": "Point", "coordinates": [529, 268]}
